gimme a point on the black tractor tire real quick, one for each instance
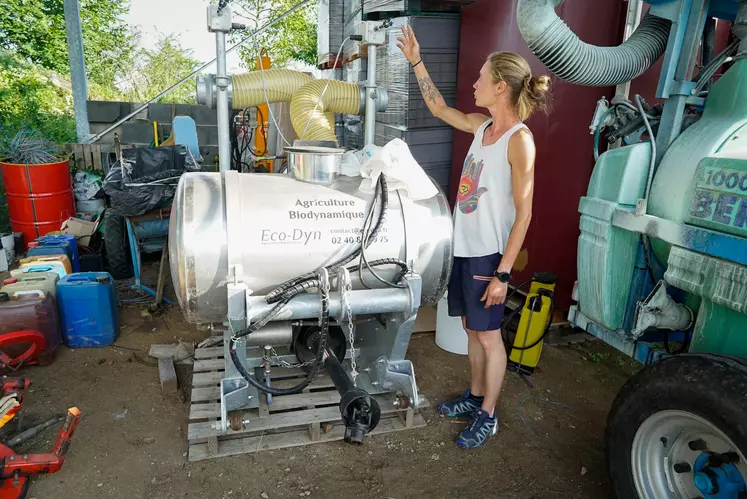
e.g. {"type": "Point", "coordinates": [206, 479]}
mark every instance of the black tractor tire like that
{"type": "Point", "coordinates": [117, 247]}
{"type": "Point", "coordinates": [712, 387]}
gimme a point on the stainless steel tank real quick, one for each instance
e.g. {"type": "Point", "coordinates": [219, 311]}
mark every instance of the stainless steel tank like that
{"type": "Point", "coordinates": [276, 228]}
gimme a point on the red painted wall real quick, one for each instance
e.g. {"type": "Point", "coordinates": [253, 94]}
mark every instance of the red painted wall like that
{"type": "Point", "coordinates": [564, 146]}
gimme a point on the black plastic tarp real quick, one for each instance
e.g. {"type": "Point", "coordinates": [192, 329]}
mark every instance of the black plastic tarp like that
{"type": "Point", "coordinates": [145, 179]}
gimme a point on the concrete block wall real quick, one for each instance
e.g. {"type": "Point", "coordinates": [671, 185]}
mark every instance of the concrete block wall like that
{"type": "Point", "coordinates": [138, 130]}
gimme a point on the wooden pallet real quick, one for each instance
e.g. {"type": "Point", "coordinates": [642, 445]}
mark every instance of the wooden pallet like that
{"type": "Point", "coordinates": [85, 156]}
{"type": "Point", "coordinates": [312, 416]}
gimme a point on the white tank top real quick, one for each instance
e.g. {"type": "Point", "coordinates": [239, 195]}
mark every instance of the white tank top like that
{"type": "Point", "coordinates": [484, 212]}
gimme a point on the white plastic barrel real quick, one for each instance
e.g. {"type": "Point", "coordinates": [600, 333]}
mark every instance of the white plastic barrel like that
{"type": "Point", "coordinates": [450, 334]}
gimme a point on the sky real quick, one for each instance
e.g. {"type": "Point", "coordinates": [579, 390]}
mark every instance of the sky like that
{"type": "Point", "coordinates": [186, 20]}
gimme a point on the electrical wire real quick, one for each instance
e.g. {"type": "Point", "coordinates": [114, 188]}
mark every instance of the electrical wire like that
{"type": "Point", "coordinates": [523, 420]}
{"type": "Point", "coordinates": [267, 99]}
{"type": "Point", "coordinates": [709, 71]}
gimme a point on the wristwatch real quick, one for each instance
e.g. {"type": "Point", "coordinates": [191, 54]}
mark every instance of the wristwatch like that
{"type": "Point", "coordinates": [504, 277]}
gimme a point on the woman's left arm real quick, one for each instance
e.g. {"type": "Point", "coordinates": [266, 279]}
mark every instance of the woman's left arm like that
{"type": "Point", "coordinates": [521, 155]}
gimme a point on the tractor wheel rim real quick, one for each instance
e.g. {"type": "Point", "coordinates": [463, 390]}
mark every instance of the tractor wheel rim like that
{"type": "Point", "coordinates": [662, 449]}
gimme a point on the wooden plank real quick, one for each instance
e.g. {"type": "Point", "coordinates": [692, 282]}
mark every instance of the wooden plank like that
{"type": "Point", "coordinates": [317, 384]}
{"type": "Point", "coordinates": [96, 153]}
{"type": "Point", "coordinates": [199, 452]}
{"type": "Point", "coordinates": [273, 421]}
{"type": "Point", "coordinates": [206, 394]}
{"type": "Point", "coordinates": [205, 365]}
{"type": "Point", "coordinates": [206, 379]}
{"type": "Point", "coordinates": [167, 373]}
{"type": "Point", "coordinates": [286, 402]}
{"type": "Point", "coordinates": [198, 431]}
{"type": "Point", "coordinates": [209, 353]}
{"type": "Point", "coordinates": [204, 411]}
{"type": "Point", "coordinates": [80, 158]}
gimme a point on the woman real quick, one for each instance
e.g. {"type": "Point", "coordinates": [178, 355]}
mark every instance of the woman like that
{"type": "Point", "coordinates": [491, 217]}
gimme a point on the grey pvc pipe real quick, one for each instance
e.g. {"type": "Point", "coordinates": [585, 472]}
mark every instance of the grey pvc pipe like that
{"type": "Point", "coordinates": [573, 60]}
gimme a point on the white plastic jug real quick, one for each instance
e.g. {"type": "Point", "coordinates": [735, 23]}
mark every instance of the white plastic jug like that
{"type": "Point", "coordinates": [450, 335]}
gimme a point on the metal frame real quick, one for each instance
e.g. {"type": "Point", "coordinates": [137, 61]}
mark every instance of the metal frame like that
{"type": "Point", "coordinates": [385, 320]}
{"type": "Point", "coordinates": [151, 245]}
{"type": "Point", "coordinates": [688, 21]}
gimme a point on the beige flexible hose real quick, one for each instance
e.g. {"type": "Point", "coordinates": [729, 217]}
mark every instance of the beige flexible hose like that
{"type": "Point", "coordinates": [303, 92]}
{"type": "Point", "coordinates": [340, 97]}
{"type": "Point", "coordinates": [281, 85]}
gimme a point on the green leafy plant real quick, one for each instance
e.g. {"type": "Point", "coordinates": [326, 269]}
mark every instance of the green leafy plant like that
{"type": "Point", "coordinates": [292, 39]}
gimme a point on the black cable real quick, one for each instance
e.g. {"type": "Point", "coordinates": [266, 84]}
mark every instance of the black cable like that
{"type": "Point", "coordinates": [316, 366]}
{"type": "Point", "coordinates": [274, 295]}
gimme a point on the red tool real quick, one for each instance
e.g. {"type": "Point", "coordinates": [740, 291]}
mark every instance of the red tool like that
{"type": "Point", "coordinates": [14, 384]}
{"type": "Point", "coordinates": [16, 468]}
{"type": "Point", "coordinates": [11, 399]}
{"type": "Point", "coordinates": [10, 342]}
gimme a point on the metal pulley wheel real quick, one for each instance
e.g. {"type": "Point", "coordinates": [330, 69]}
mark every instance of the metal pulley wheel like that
{"type": "Point", "coordinates": [306, 344]}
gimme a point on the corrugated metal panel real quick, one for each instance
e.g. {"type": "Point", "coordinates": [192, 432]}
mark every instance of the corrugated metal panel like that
{"type": "Point", "coordinates": [564, 145]}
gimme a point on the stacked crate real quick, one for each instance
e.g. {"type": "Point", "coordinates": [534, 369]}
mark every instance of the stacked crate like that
{"type": "Point", "coordinates": [330, 22]}
{"type": "Point", "coordinates": [374, 8]}
{"type": "Point", "coordinates": [407, 117]}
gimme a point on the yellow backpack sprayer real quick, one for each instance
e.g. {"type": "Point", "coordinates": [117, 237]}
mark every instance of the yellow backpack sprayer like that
{"type": "Point", "coordinates": [536, 316]}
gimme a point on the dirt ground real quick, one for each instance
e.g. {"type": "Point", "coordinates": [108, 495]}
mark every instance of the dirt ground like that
{"type": "Point", "coordinates": [132, 440]}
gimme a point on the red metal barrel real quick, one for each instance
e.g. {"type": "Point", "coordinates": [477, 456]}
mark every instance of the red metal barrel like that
{"type": "Point", "coordinates": [40, 197]}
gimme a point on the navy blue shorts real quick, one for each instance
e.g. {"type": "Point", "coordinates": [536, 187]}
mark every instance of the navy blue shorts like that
{"type": "Point", "coordinates": [470, 278]}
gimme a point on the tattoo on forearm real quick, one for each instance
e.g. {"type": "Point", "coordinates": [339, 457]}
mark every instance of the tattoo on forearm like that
{"type": "Point", "coordinates": [428, 89]}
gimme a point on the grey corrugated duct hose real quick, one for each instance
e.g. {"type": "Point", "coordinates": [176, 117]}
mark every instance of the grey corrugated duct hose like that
{"type": "Point", "coordinates": [573, 60]}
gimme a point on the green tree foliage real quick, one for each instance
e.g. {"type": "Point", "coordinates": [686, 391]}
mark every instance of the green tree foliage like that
{"type": "Point", "coordinates": [36, 98]}
{"type": "Point", "coordinates": [292, 39]}
{"type": "Point", "coordinates": [156, 69]}
{"type": "Point", "coordinates": [35, 31]}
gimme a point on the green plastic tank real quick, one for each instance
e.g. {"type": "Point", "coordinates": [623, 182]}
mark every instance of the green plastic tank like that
{"type": "Point", "coordinates": [702, 181]}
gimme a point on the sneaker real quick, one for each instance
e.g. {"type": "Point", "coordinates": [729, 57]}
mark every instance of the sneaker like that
{"type": "Point", "coordinates": [466, 405]}
{"type": "Point", "coordinates": [478, 432]}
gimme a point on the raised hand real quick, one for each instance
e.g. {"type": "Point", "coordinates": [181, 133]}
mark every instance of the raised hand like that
{"type": "Point", "coordinates": [409, 45]}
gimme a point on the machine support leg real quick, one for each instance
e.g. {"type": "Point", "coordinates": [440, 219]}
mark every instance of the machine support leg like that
{"type": "Point", "coordinates": [360, 412]}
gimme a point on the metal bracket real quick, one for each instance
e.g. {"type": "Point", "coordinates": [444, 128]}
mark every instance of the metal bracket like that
{"type": "Point", "coordinates": [234, 394]}
{"type": "Point", "coordinates": [399, 374]}
{"type": "Point", "coordinates": [219, 22]}
{"type": "Point", "coordinates": [682, 88]}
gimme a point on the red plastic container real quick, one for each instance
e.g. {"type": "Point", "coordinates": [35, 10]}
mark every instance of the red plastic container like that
{"type": "Point", "coordinates": [40, 197]}
{"type": "Point", "coordinates": [34, 311]}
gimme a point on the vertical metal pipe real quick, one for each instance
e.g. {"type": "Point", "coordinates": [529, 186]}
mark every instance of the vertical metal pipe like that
{"type": "Point", "coordinates": [369, 125]}
{"type": "Point", "coordinates": [221, 78]}
{"type": "Point", "coordinates": [77, 69]}
{"type": "Point", "coordinates": [709, 45]}
{"type": "Point", "coordinates": [632, 20]}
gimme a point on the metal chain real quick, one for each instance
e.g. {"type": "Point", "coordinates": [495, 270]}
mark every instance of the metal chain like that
{"type": "Point", "coordinates": [284, 363]}
{"type": "Point", "coordinates": [346, 286]}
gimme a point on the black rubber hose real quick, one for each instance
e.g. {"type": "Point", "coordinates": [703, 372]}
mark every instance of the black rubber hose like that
{"type": "Point", "coordinates": [316, 366]}
{"type": "Point", "coordinates": [276, 294]}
